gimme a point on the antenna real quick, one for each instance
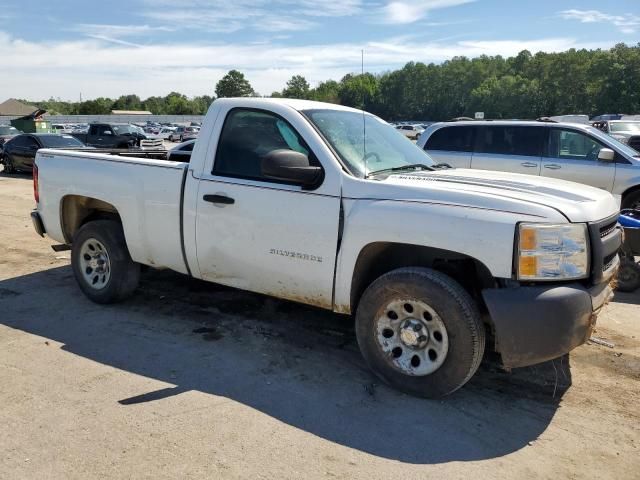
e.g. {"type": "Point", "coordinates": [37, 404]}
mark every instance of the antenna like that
{"type": "Point", "coordinates": [364, 119]}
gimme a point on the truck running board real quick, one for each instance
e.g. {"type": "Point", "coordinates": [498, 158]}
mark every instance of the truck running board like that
{"type": "Point", "coordinates": [63, 247]}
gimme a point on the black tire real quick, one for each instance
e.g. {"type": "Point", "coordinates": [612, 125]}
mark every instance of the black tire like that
{"type": "Point", "coordinates": [8, 165]}
{"type": "Point", "coordinates": [456, 310]}
{"type": "Point", "coordinates": [628, 279]}
{"type": "Point", "coordinates": [631, 200]}
{"type": "Point", "coordinates": [124, 272]}
{"type": "Point", "coordinates": [181, 139]}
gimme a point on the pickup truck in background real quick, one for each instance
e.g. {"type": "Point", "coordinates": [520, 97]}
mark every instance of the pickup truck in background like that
{"type": "Point", "coordinates": [111, 135]}
{"type": "Point", "coordinates": [295, 199]}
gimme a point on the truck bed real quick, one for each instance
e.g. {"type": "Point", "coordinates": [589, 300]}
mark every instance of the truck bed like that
{"type": "Point", "coordinates": [145, 193]}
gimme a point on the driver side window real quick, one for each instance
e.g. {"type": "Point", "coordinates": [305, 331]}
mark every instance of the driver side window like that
{"type": "Point", "coordinates": [248, 136]}
{"type": "Point", "coordinates": [572, 145]}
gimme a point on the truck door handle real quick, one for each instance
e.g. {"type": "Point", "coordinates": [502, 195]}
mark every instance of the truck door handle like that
{"type": "Point", "coordinates": [219, 199]}
{"type": "Point", "coordinates": [529, 164]}
{"type": "Point", "coordinates": [553, 166]}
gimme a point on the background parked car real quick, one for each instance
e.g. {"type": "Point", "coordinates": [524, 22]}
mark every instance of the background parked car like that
{"type": "Point", "coordinates": [410, 131]}
{"type": "Point", "coordinates": [182, 134]}
{"type": "Point", "coordinates": [7, 132]}
{"type": "Point", "coordinates": [163, 133]}
{"type": "Point", "coordinates": [20, 152]}
{"type": "Point", "coordinates": [626, 131]}
{"type": "Point", "coordinates": [569, 151]}
{"type": "Point", "coordinates": [182, 152]}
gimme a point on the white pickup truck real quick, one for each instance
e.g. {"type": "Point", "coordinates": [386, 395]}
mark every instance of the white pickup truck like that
{"type": "Point", "coordinates": [332, 207]}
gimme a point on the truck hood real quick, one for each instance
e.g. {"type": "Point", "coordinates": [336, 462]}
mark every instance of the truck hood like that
{"type": "Point", "coordinates": [510, 192]}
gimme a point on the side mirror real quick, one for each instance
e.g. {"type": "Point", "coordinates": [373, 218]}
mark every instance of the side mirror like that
{"type": "Point", "coordinates": [290, 166]}
{"type": "Point", "coordinates": [606, 155]}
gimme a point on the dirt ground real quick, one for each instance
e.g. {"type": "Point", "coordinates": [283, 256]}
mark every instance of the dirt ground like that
{"type": "Point", "coordinates": [189, 379]}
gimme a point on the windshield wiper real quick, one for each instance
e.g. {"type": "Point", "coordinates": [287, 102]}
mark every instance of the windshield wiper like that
{"type": "Point", "coordinates": [412, 166]}
{"type": "Point", "coordinates": [440, 166]}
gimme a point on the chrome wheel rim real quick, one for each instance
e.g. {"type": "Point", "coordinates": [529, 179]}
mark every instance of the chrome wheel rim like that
{"type": "Point", "coordinates": [412, 337]}
{"type": "Point", "coordinates": [95, 264]}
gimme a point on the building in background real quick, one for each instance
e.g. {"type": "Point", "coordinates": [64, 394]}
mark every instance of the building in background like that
{"type": "Point", "coordinates": [14, 108]}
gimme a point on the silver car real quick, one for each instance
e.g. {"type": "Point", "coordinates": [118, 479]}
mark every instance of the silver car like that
{"type": "Point", "coordinates": [579, 153]}
{"type": "Point", "coordinates": [622, 130]}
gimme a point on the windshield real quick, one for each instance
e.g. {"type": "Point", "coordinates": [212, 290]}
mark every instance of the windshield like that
{"type": "Point", "coordinates": [60, 141]}
{"type": "Point", "coordinates": [625, 127]}
{"type": "Point", "coordinates": [364, 142]}
{"type": "Point", "coordinates": [6, 130]}
{"type": "Point", "coordinates": [621, 147]}
{"type": "Point", "coordinates": [124, 129]}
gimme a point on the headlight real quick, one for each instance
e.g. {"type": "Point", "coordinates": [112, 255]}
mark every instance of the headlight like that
{"type": "Point", "coordinates": [552, 252]}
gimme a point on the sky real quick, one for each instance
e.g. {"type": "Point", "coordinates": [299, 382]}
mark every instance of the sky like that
{"type": "Point", "coordinates": [67, 48]}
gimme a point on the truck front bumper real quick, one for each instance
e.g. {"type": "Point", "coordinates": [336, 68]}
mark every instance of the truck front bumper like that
{"type": "Point", "coordinates": [534, 324]}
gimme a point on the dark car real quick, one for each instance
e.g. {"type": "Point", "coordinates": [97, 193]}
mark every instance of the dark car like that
{"type": "Point", "coordinates": [20, 152]}
{"type": "Point", "coordinates": [7, 132]}
{"type": "Point", "coordinates": [111, 135]}
{"type": "Point", "coordinates": [182, 152]}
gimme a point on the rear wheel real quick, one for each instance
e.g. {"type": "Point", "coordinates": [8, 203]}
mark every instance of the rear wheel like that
{"type": "Point", "coordinates": [8, 164]}
{"type": "Point", "coordinates": [101, 262]}
{"type": "Point", "coordinates": [420, 332]}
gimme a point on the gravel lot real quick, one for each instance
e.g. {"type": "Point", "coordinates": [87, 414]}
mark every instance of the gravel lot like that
{"type": "Point", "coordinates": [189, 379]}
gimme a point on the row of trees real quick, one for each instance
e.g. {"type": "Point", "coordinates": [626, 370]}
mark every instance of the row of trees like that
{"type": "Point", "coordinates": [172, 104]}
{"type": "Point", "coordinates": [524, 86]}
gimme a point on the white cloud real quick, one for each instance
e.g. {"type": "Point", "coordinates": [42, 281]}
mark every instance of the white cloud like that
{"type": "Point", "coordinates": [97, 68]}
{"type": "Point", "coordinates": [117, 31]}
{"type": "Point", "coordinates": [260, 15]}
{"type": "Point", "coordinates": [627, 23]}
{"type": "Point", "coordinates": [402, 12]}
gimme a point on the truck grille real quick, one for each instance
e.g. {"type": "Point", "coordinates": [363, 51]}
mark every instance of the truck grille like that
{"type": "Point", "coordinates": [606, 239]}
{"type": "Point", "coordinates": [607, 229]}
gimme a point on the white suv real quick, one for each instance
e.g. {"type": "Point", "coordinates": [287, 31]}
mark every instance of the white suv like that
{"type": "Point", "coordinates": [579, 153]}
{"type": "Point", "coordinates": [410, 131]}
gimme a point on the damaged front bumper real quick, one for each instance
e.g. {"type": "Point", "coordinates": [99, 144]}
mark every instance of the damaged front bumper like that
{"type": "Point", "coordinates": [534, 324]}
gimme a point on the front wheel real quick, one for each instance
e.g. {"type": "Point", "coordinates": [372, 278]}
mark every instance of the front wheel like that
{"type": "Point", "coordinates": [628, 279]}
{"type": "Point", "coordinates": [631, 200]}
{"type": "Point", "coordinates": [101, 262]}
{"type": "Point", "coordinates": [420, 332]}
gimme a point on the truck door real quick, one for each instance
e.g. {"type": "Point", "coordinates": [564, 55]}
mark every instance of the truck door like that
{"type": "Point", "coordinates": [573, 155]}
{"type": "Point", "coordinates": [262, 235]}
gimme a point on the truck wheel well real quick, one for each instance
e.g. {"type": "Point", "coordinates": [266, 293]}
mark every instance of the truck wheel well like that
{"type": "Point", "coordinates": [629, 191]}
{"type": "Point", "coordinates": [378, 258]}
{"type": "Point", "coordinates": [76, 210]}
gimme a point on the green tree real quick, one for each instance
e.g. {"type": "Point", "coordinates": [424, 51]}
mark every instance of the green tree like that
{"type": "Point", "coordinates": [326, 92]}
{"type": "Point", "coordinates": [233, 84]}
{"type": "Point", "coordinates": [297, 87]}
{"type": "Point", "coordinates": [128, 102]}
{"type": "Point", "coordinates": [359, 91]}
{"type": "Point", "coordinates": [99, 106]}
